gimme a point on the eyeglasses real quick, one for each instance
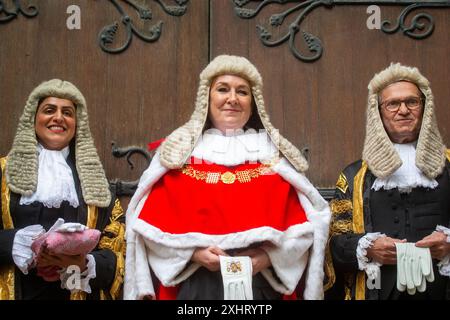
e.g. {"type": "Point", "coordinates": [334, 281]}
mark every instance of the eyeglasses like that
{"type": "Point", "coordinates": [411, 103]}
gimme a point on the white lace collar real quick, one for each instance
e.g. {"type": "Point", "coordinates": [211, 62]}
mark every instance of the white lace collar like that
{"type": "Point", "coordinates": [235, 149]}
{"type": "Point", "coordinates": [408, 176]}
{"type": "Point", "coordinates": [55, 180]}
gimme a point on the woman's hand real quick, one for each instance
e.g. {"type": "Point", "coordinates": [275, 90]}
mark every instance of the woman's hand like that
{"type": "Point", "coordinates": [46, 258]}
{"type": "Point", "coordinates": [260, 259]}
{"type": "Point", "coordinates": [208, 257]}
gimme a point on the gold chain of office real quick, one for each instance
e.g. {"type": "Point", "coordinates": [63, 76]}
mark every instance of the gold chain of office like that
{"type": "Point", "coordinates": [227, 177]}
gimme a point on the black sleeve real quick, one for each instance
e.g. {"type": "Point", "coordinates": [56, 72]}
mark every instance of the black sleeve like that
{"type": "Point", "coordinates": [105, 269]}
{"type": "Point", "coordinates": [343, 251]}
{"type": "Point", "coordinates": [6, 244]}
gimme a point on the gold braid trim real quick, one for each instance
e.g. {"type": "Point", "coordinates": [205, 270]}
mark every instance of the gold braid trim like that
{"type": "Point", "coordinates": [115, 243]}
{"type": "Point", "coordinates": [340, 227]}
{"type": "Point", "coordinates": [358, 213]}
{"type": "Point", "coordinates": [78, 295]}
{"type": "Point", "coordinates": [337, 227]}
{"type": "Point", "coordinates": [7, 290]}
{"type": "Point", "coordinates": [360, 293]}
{"type": "Point", "coordinates": [6, 215]}
{"type": "Point", "coordinates": [358, 224]}
{"type": "Point", "coordinates": [116, 287]}
{"type": "Point", "coordinates": [340, 206]}
{"type": "Point", "coordinates": [342, 183]}
{"type": "Point", "coordinates": [349, 279]}
{"type": "Point", "coordinates": [447, 153]}
{"type": "Point", "coordinates": [92, 217]}
{"type": "Point", "coordinates": [7, 282]}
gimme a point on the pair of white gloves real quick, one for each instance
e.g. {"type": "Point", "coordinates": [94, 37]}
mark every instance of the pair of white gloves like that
{"type": "Point", "coordinates": [22, 253]}
{"type": "Point", "coordinates": [414, 268]}
{"type": "Point", "coordinates": [237, 277]}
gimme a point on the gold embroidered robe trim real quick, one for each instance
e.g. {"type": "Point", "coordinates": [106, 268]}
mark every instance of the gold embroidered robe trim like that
{"type": "Point", "coordinates": [6, 272]}
{"type": "Point", "coordinates": [342, 183]}
{"type": "Point", "coordinates": [114, 240]}
{"type": "Point", "coordinates": [358, 224]}
{"type": "Point", "coordinates": [340, 206]}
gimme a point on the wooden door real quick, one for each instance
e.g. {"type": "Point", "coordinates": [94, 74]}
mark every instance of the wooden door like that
{"type": "Point", "coordinates": [148, 89]}
{"type": "Point", "coordinates": [321, 105]}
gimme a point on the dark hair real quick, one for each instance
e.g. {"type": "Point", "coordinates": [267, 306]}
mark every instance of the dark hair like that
{"type": "Point", "coordinates": [255, 120]}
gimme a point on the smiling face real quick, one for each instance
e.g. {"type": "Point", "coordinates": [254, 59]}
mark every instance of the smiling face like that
{"type": "Point", "coordinates": [402, 125]}
{"type": "Point", "coordinates": [230, 103]}
{"type": "Point", "coordinates": [55, 123]}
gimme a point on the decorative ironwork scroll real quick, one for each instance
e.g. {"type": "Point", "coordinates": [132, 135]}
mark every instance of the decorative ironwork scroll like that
{"type": "Point", "coordinates": [127, 188]}
{"type": "Point", "coordinates": [8, 13]}
{"type": "Point", "coordinates": [420, 27]}
{"type": "Point", "coordinates": [152, 34]}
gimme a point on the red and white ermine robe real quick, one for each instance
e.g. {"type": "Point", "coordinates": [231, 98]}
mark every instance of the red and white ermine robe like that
{"type": "Point", "coordinates": [234, 192]}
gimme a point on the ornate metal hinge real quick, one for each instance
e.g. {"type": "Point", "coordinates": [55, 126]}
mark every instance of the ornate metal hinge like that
{"type": "Point", "coordinates": [151, 34]}
{"type": "Point", "coordinates": [127, 188]}
{"type": "Point", "coordinates": [416, 29]}
{"type": "Point", "coordinates": [7, 13]}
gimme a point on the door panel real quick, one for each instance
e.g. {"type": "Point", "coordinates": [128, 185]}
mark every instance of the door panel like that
{"type": "Point", "coordinates": [148, 90]}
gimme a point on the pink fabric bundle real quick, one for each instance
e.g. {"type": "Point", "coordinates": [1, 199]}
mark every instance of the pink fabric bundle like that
{"type": "Point", "coordinates": [68, 243]}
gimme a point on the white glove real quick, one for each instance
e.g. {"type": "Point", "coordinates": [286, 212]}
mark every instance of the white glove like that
{"type": "Point", "coordinates": [401, 267]}
{"type": "Point", "coordinates": [72, 227]}
{"type": "Point", "coordinates": [414, 267]}
{"type": "Point", "coordinates": [237, 277]}
{"type": "Point", "coordinates": [56, 225]}
{"type": "Point", "coordinates": [426, 265]}
{"type": "Point", "coordinates": [410, 266]}
{"type": "Point", "coordinates": [61, 226]}
{"type": "Point", "coordinates": [22, 254]}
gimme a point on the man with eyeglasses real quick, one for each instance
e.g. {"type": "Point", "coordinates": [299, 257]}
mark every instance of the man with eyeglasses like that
{"type": "Point", "coordinates": [398, 193]}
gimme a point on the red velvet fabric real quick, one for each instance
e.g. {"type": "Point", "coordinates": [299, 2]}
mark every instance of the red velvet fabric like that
{"type": "Point", "coordinates": [166, 293]}
{"type": "Point", "coordinates": [179, 203]}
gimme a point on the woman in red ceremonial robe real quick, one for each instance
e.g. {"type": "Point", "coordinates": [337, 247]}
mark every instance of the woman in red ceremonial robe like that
{"type": "Point", "coordinates": [226, 184]}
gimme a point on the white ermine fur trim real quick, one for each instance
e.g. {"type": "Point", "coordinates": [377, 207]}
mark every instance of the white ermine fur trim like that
{"type": "Point", "coordinates": [169, 254]}
{"type": "Point", "coordinates": [138, 282]}
{"type": "Point", "coordinates": [319, 215]}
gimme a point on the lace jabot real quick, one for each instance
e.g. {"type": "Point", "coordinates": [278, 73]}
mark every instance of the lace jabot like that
{"type": "Point", "coordinates": [231, 150]}
{"type": "Point", "coordinates": [55, 180]}
{"type": "Point", "coordinates": [408, 176]}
